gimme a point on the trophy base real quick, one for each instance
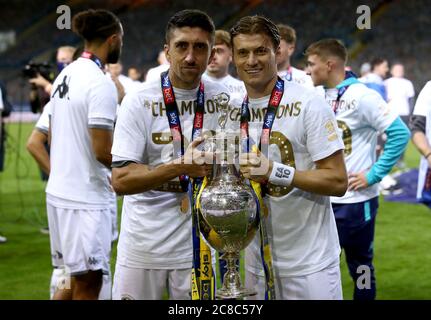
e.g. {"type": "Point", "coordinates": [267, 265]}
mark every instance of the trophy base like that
{"type": "Point", "coordinates": [234, 293]}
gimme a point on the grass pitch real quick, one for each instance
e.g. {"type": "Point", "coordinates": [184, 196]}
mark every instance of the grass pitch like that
{"type": "Point", "coordinates": [402, 254]}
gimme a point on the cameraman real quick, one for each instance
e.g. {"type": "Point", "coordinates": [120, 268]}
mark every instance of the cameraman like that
{"type": "Point", "coordinates": [41, 86]}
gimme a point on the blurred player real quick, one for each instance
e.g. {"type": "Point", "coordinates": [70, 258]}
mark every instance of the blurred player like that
{"type": "Point", "coordinates": [218, 67]}
{"type": "Point", "coordinates": [287, 46]}
{"type": "Point", "coordinates": [420, 124]}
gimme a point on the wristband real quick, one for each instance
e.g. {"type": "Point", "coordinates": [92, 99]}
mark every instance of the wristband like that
{"type": "Point", "coordinates": [281, 174]}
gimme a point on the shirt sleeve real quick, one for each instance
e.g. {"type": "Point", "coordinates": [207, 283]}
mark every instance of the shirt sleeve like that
{"type": "Point", "coordinates": [102, 106]}
{"type": "Point", "coordinates": [423, 103]}
{"type": "Point", "coordinates": [42, 124]}
{"type": "Point", "coordinates": [411, 90]}
{"type": "Point", "coordinates": [322, 138]}
{"type": "Point", "coordinates": [376, 112]}
{"type": "Point", "coordinates": [130, 136]}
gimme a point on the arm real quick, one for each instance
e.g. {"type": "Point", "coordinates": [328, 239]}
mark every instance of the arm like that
{"type": "Point", "coordinates": [101, 141]}
{"type": "Point", "coordinates": [135, 178]}
{"type": "Point", "coordinates": [41, 82]}
{"type": "Point", "coordinates": [329, 178]}
{"type": "Point", "coordinates": [419, 139]}
{"type": "Point", "coordinates": [120, 89]}
{"type": "Point", "coordinates": [36, 147]}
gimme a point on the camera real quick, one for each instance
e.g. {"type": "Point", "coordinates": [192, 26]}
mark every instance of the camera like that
{"type": "Point", "coordinates": [45, 69]}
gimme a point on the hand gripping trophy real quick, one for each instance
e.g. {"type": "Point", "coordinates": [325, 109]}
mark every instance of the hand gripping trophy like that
{"type": "Point", "coordinates": [227, 206]}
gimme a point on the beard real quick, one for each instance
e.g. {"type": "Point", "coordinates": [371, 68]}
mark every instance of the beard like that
{"type": "Point", "coordinates": [114, 55]}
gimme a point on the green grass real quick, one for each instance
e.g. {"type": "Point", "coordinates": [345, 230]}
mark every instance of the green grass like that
{"type": "Point", "coordinates": [402, 254]}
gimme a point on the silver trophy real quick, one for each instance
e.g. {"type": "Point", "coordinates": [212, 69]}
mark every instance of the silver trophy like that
{"type": "Point", "coordinates": [228, 210]}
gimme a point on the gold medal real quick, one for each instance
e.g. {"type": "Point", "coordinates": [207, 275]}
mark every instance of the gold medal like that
{"type": "Point", "coordinates": [184, 207]}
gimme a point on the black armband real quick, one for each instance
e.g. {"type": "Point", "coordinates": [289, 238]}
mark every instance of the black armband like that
{"type": "Point", "coordinates": [120, 164]}
{"type": "Point", "coordinates": [417, 123]}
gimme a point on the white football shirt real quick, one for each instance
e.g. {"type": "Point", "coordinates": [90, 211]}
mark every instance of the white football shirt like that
{"type": "Point", "coordinates": [42, 123]}
{"type": "Point", "coordinates": [361, 115]}
{"type": "Point", "coordinates": [155, 234]}
{"type": "Point", "coordinates": [236, 87]}
{"type": "Point", "coordinates": [301, 225]}
{"type": "Point", "coordinates": [82, 97]}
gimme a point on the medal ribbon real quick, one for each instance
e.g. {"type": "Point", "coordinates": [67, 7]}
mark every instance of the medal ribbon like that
{"type": "Point", "coordinates": [271, 111]}
{"type": "Point", "coordinates": [203, 285]}
{"type": "Point", "coordinates": [92, 57]}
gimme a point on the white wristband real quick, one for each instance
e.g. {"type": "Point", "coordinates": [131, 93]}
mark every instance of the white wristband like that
{"type": "Point", "coordinates": [281, 174]}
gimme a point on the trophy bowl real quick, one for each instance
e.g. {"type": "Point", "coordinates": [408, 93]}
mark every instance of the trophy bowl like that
{"type": "Point", "coordinates": [228, 214]}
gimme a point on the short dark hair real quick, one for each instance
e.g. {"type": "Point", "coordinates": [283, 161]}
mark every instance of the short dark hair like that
{"type": "Point", "coordinates": [287, 33]}
{"type": "Point", "coordinates": [255, 25]}
{"type": "Point", "coordinates": [326, 48]}
{"type": "Point", "coordinates": [190, 18]}
{"type": "Point", "coordinates": [376, 62]}
{"type": "Point", "coordinates": [95, 25]}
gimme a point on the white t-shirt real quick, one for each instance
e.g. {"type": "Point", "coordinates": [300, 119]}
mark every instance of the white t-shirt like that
{"type": "Point", "coordinates": [42, 123]}
{"type": "Point", "coordinates": [236, 87]}
{"type": "Point", "coordinates": [301, 225]}
{"type": "Point", "coordinates": [153, 74]}
{"type": "Point", "coordinates": [296, 75]}
{"type": "Point", "coordinates": [82, 98]}
{"type": "Point", "coordinates": [362, 115]}
{"type": "Point", "coordinates": [155, 234]}
{"type": "Point", "coordinates": [423, 108]}
{"type": "Point", "coordinates": [399, 91]}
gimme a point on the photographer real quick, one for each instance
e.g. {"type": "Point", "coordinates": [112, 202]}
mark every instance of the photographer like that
{"type": "Point", "coordinates": [41, 77]}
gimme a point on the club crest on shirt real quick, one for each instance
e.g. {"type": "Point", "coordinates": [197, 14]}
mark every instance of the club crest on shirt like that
{"type": "Point", "coordinates": [330, 129]}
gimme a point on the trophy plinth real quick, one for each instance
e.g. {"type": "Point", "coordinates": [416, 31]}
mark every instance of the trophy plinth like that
{"type": "Point", "coordinates": [228, 213]}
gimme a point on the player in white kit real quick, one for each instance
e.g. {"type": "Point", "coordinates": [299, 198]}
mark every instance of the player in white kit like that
{"type": "Point", "coordinates": [218, 67]}
{"type": "Point", "coordinates": [420, 124]}
{"type": "Point", "coordinates": [305, 167]}
{"type": "Point", "coordinates": [287, 46]}
{"type": "Point", "coordinates": [36, 147]}
{"type": "Point", "coordinates": [361, 115]}
{"type": "Point", "coordinates": [155, 246]}
{"type": "Point", "coordinates": [83, 106]}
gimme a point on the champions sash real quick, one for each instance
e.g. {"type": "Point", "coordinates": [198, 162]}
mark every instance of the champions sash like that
{"type": "Point", "coordinates": [202, 285]}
